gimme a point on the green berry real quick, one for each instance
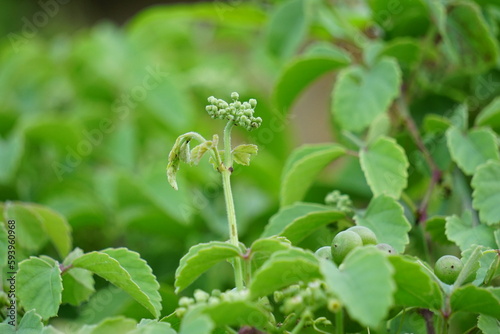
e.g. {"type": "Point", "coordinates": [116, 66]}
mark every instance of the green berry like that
{"type": "Point", "coordinates": [447, 268]}
{"type": "Point", "coordinates": [343, 243]}
{"type": "Point", "coordinates": [324, 252]}
{"type": "Point", "coordinates": [386, 248]}
{"type": "Point", "coordinates": [367, 235]}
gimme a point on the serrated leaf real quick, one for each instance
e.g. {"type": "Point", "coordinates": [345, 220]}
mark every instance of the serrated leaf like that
{"type": "Point", "coordinates": [40, 286]}
{"type": "Point", "coordinates": [471, 45]}
{"type": "Point", "coordinates": [262, 249]}
{"type": "Point", "coordinates": [110, 325]}
{"type": "Point", "coordinates": [199, 151]}
{"type": "Point", "coordinates": [199, 259]}
{"type": "Point", "coordinates": [486, 194]}
{"type": "Point", "coordinates": [301, 72]}
{"type": "Point", "coordinates": [486, 260]}
{"type": "Point", "coordinates": [78, 283]}
{"type": "Point", "coordinates": [471, 265]}
{"type": "Point", "coordinates": [302, 167]}
{"type": "Point", "coordinates": [415, 287]}
{"type": "Point", "coordinates": [282, 269]}
{"type": "Point", "coordinates": [287, 28]}
{"type": "Point", "coordinates": [474, 299]}
{"type": "Point", "coordinates": [385, 217]}
{"type": "Point", "coordinates": [385, 166]}
{"type": "Point", "coordinates": [299, 220]}
{"type": "Point", "coordinates": [199, 324]}
{"type": "Point", "coordinates": [148, 326]}
{"type": "Point", "coordinates": [366, 276]}
{"type": "Point", "coordinates": [472, 149]}
{"type": "Point", "coordinates": [490, 115]}
{"type": "Point", "coordinates": [243, 153]}
{"type": "Point", "coordinates": [409, 321]}
{"type": "Point", "coordinates": [489, 325]}
{"type": "Point", "coordinates": [360, 94]}
{"type": "Point", "coordinates": [126, 270]}
{"type": "Point", "coordinates": [462, 232]}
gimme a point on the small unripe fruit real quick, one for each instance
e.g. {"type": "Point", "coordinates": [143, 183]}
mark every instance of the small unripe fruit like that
{"type": "Point", "coordinates": [367, 235]}
{"type": "Point", "coordinates": [324, 252]}
{"type": "Point", "coordinates": [386, 248]}
{"type": "Point", "coordinates": [343, 243]}
{"type": "Point", "coordinates": [447, 268]}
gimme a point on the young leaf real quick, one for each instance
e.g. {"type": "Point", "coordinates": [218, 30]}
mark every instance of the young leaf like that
{"type": "Point", "coordinates": [486, 261]}
{"type": "Point", "coordinates": [486, 194]}
{"type": "Point", "coordinates": [78, 283]}
{"type": "Point", "coordinates": [472, 149]}
{"type": "Point", "coordinates": [40, 286]}
{"type": "Point", "coordinates": [366, 276]}
{"type": "Point", "coordinates": [262, 249]}
{"type": "Point", "coordinates": [199, 259]}
{"type": "Point", "coordinates": [385, 166]}
{"type": "Point", "coordinates": [31, 323]}
{"type": "Point", "coordinates": [198, 151]}
{"type": "Point", "coordinates": [282, 269]}
{"type": "Point", "coordinates": [385, 217]}
{"type": "Point", "coordinates": [243, 153]}
{"type": "Point", "coordinates": [301, 72]}
{"type": "Point", "coordinates": [468, 272]}
{"type": "Point", "coordinates": [406, 50]}
{"type": "Point", "coordinates": [287, 28]}
{"type": "Point", "coordinates": [302, 167]}
{"type": "Point", "coordinates": [474, 299]}
{"type": "Point", "coordinates": [126, 270]}
{"type": "Point", "coordinates": [462, 232]}
{"type": "Point", "coordinates": [490, 115]}
{"type": "Point", "coordinates": [200, 324]}
{"type": "Point", "coordinates": [415, 287]}
{"type": "Point", "coordinates": [489, 325]}
{"type": "Point", "coordinates": [299, 220]}
{"type": "Point", "coordinates": [360, 95]}
{"type": "Point", "coordinates": [436, 227]}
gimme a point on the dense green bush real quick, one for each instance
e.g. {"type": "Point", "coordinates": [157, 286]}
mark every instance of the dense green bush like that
{"type": "Point", "coordinates": [87, 122]}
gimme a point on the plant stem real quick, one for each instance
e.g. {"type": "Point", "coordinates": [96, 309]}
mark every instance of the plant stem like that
{"type": "Point", "coordinates": [339, 321]}
{"type": "Point", "coordinates": [299, 326]}
{"type": "Point", "coordinates": [226, 171]}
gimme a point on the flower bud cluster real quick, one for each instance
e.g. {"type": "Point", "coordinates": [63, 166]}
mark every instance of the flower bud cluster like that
{"type": "Point", "coordinates": [340, 202]}
{"type": "Point", "coordinates": [240, 113]}
{"type": "Point", "coordinates": [296, 298]}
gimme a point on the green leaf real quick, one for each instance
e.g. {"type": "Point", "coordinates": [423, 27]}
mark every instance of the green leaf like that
{"type": "Point", "coordinates": [471, 44]}
{"type": "Point", "coordinates": [301, 72]}
{"type": "Point", "coordinates": [302, 167]}
{"type": "Point", "coordinates": [148, 326]}
{"type": "Point", "coordinates": [486, 194]}
{"type": "Point", "coordinates": [11, 152]}
{"type": "Point", "coordinates": [199, 259]}
{"type": "Point", "coordinates": [409, 321]}
{"type": "Point", "coordinates": [236, 313]}
{"type": "Point", "coordinates": [262, 249]}
{"type": "Point", "coordinates": [284, 268]}
{"type": "Point", "coordinates": [486, 261]}
{"type": "Point", "coordinates": [126, 270]}
{"type": "Point", "coordinates": [110, 325]}
{"type": "Point", "coordinates": [385, 166]}
{"type": "Point", "coordinates": [489, 325]}
{"type": "Point", "coordinates": [472, 149]}
{"type": "Point", "coordinates": [199, 324]}
{"type": "Point", "coordinates": [366, 276]}
{"type": "Point", "coordinates": [474, 299]}
{"type": "Point", "coordinates": [299, 220]}
{"type": "Point", "coordinates": [463, 233]}
{"type": "Point", "coordinates": [34, 223]}
{"type": "Point", "coordinates": [435, 123]}
{"type": "Point", "coordinates": [78, 283]}
{"type": "Point", "coordinates": [199, 151]}
{"type": "Point", "coordinates": [40, 286]}
{"type": "Point", "coordinates": [287, 28]}
{"type": "Point", "coordinates": [385, 217]}
{"type": "Point", "coordinates": [436, 227]}
{"type": "Point", "coordinates": [360, 94]}
{"type": "Point", "coordinates": [405, 50]}
{"type": "Point", "coordinates": [31, 323]}
{"type": "Point", "coordinates": [415, 287]}
{"type": "Point", "coordinates": [490, 115]}
{"type": "Point", "coordinates": [471, 266]}
{"type": "Point", "coordinates": [243, 153]}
